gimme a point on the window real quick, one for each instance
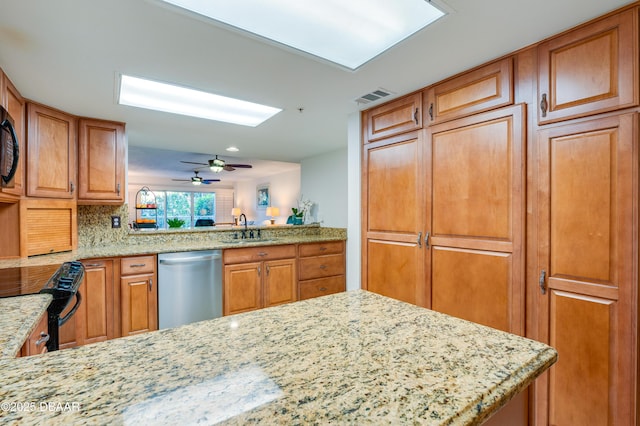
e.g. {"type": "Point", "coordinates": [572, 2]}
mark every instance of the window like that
{"type": "Point", "coordinates": [191, 206]}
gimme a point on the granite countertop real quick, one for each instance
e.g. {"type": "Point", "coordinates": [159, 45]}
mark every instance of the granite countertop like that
{"type": "Point", "coordinates": [161, 245]}
{"type": "Point", "coordinates": [19, 317]}
{"type": "Point", "coordinates": [348, 358]}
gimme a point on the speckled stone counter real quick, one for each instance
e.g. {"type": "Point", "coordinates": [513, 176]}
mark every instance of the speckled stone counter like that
{"type": "Point", "coordinates": [166, 241]}
{"type": "Point", "coordinates": [348, 358]}
{"type": "Point", "coordinates": [19, 317]}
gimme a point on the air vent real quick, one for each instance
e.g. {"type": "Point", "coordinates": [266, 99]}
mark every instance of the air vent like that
{"type": "Point", "coordinates": [373, 96]}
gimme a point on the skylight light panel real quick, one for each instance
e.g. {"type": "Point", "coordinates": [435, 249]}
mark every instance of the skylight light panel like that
{"type": "Point", "coordinates": [346, 32]}
{"type": "Point", "coordinates": [142, 93]}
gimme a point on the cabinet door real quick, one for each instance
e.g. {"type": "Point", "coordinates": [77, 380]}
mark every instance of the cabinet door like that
{"type": "Point", "coordinates": [589, 70]}
{"type": "Point", "coordinates": [392, 118]}
{"type": "Point", "coordinates": [280, 285]}
{"type": "Point", "coordinates": [52, 148]}
{"type": "Point", "coordinates": [242, 287]}
{"type": "Point", "coordinates": [476, 234]}
{"type": "Point", "coordinates": [587, 247]}
{"type": "Point", "coordinates": [393, 206]}
{"type": "Point", "coordinates": [95, 322]}
{"type": "Point", "coordinates": [138, 304]}
{"type": "Point", "coordinates": [14, 103]}
{"type": "Point", "coordinates": [482, 89]}
{"type": "Point", "coordinates": [36, 343]}
{"type": "Point", "coordinates": [101, 162]}
{"type": "Point", "coordinates": [68, 334]}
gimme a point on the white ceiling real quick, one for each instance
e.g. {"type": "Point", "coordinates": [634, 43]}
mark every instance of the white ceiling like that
{"type": "Point", "coordinates": [68, 54]}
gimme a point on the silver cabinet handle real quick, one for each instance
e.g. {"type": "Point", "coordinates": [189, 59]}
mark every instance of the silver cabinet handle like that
{"type": "Point", "coordinates": [419, 239]}
{"type": "Point", "coordinates": [262, 254]}
{"type": "Point", "coordinates": [72, 186]}
{"type": "Point", "coordinates": [323, 266]}
{"type": "Point", "coordinates": [44, 338]}
{"type": "Point", "coordinates": [92, 265]}
{"type": "Point", "coordinates": [118, 189]}
{"type": "Point", "coordinates": [544, 105]}
{"type": "Point", "coordinates": [259, 270]}
{"type": "Point", "coordinates": [426, 240]}
{"type": "Point", "coordinates": [150, 283]}
{"type": "Point", "coordinates": [138, 265]}
{"type": "Point", "coordinates": [323, 248]}
{"type": "Point", "coordinates": [322, 289]}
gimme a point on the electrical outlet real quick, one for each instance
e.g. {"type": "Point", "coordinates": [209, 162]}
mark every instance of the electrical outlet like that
{"type": "Point", "coordinates": [115, 221]}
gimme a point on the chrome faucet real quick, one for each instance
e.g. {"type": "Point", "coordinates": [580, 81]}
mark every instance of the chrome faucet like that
{"type": "Point", "coordinates": [244, 233]}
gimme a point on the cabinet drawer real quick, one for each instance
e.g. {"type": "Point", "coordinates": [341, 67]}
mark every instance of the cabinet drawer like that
{"type": "Point", "coordinates": [485, 88]}
{"type": "Point", "coordinates": [322, 287]}
{"type": "Point", "coordinates": [137, 265]}
{"type": "Point", "coordinates": [321, 266]}
{"type": "Point", "coordinates": [257, 254]}
{"type": "Point", "coordinates": [320, 249]}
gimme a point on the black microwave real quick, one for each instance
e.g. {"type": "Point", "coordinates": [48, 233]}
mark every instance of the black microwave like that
{"type": "Point", "coordinates": [9, 152]}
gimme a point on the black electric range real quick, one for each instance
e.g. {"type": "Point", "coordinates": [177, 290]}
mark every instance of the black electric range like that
{"type": "Point", "coordinates": [61, 281]}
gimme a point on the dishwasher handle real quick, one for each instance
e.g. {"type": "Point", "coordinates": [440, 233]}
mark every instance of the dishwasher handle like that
{"type": "Point", "coordinates": [187, 260]}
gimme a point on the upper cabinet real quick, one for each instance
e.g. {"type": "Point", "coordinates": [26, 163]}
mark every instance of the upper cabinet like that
{"type": "Point", "coordinates": [14, 103]}
{"type": "Point", "coordinates": [589, 70]}
{"type": "Point", "coordinates": [482, 89]}
{"type": "Point", "coordinates": [51, 153]}
{"type": "Point", "coordinates": [101, 162]}
{"type": "Point", "coordinates": [399, 116]}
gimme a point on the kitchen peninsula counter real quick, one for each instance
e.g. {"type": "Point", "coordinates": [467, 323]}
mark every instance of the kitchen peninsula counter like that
{"type": "Point", "coordinates": [19, 317]}
{"type": "Point", "coordinates": [353, 357]}
{"type": "Point", "coordinates": [165, 241]}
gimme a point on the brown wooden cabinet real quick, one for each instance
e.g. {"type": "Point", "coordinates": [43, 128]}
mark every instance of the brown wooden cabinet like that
{"type": "Point", "coordinates": [485, 88]}
{"type": "Point", "coordinates": [321, 269]}
{"type": "Point", "coordinates": [138, 295]}
{"type": "Point", "coordinates": [14, 103]}
{"type": "Point", "coordinates": [95, 320]}
{"type": "Point", "coordinates": [474, 249]}
{"type": "Point", "coordinates": [589, 70]}
{"type": "Point", "coordinates": [101, 162]}
{"type": "Point", "coordinates": [587, 302]}
{"type": "Point", "coordinates": [258, 277]}
{"type": "Point", "coordinates": [47, 226]}
{"type": "Point", "coordinates": [36, 343]}
{"type": "Point", "coordinates": [51, 152]}
{"type": "Point", "coordinates": [395, 117]}
{"type": "Point", "coordinates": [393, 218]}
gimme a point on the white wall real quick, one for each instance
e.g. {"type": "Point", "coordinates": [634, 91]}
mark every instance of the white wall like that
{"type": "Point", "coordinates": [354, 188]}
{"type": "Point", "coordinates": [324, 182]}
{"type": "Point", "coordinates": [284, 191]}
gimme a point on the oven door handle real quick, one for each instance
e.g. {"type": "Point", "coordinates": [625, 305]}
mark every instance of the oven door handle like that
{"type": "Point", "coordinates": [73, 310]}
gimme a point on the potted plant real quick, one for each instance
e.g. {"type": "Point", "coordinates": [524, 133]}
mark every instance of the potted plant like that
{"type": "Point", "coordinates": [299, 213]}
{"type": "Point", "coordinates": [175, 222]}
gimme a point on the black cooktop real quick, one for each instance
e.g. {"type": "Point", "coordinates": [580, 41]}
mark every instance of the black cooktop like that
{"type": "Point", "coordinates": [25, 279]}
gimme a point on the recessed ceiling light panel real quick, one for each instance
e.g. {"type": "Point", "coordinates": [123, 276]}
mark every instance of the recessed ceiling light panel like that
{"type": "Point", "coordinates": [346, 32]}
{"type": "Point", "coordinates": [142, 93]}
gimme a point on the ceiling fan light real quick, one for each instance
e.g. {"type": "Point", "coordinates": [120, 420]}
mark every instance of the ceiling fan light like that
{"type": "Point", "coordinates": [196, 180]}
{"type": "Point", "coordinates": [216, 165]}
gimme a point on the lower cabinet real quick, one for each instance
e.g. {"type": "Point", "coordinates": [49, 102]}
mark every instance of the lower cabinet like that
{"type": "Point", "coordinates": [321, 268]}
{"type": "Point", "coordinates": [138, 295]}
{"type": "Point", "coordinates": [95, 317]}
{"type": "Point", "coordinates": [37, 341]}
{"type": "Point", "coordinates": [259, 277]}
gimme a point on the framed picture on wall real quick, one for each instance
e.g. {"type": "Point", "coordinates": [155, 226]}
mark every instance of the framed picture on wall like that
{"type": "Point", "coordinates": [262, 194]}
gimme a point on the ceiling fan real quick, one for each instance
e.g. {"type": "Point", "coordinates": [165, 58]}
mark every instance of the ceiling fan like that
{"type": "Point", "coordinates": [197, 180]}
{"type": "Point", "coordinates": [218, 164]}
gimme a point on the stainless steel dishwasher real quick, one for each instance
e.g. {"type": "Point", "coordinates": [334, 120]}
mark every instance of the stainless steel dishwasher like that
{"type": "Point", "coordinates": [189, 287]}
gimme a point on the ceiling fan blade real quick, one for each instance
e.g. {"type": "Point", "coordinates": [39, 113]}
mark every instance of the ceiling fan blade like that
{"type": "Point", "coordinates": [209, 181]}
{"type": "Point", "coordinates": [240, 166]}
{"type": "Point", "coordinates": [228, 168]}
{"type": "Point", "coordinates": [191, 162]}
{"type": "Point", "coordinates": [182, 180]}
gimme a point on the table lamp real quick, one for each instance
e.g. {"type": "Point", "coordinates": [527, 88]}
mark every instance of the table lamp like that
{"type": "Point", "coordinates": [273, 211]}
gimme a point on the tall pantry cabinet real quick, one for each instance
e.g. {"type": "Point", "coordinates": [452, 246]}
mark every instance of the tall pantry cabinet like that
{"type": "Point", "coordinates": [515, 205]}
